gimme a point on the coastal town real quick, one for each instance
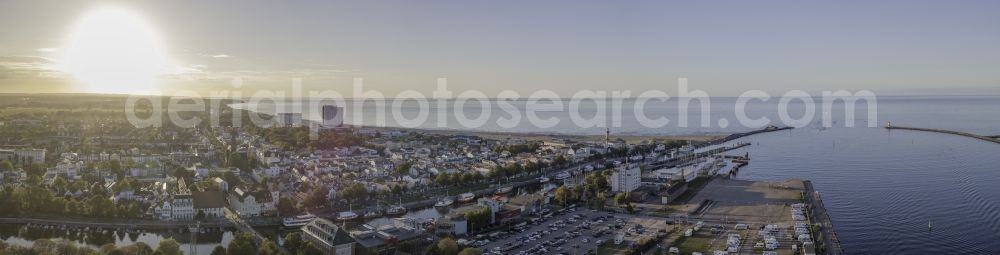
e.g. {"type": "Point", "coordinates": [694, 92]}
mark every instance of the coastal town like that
{"type": "Point", "coordinates": [368, 190]}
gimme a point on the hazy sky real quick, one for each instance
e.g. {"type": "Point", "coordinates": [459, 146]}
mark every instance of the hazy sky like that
{"type": "Point", "coordinates": [723, 47]}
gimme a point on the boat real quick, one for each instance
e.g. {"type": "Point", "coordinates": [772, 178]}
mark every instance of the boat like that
{"type": "Point", "coordinates": [299, 220]}
{"type": "Point", "coordinates": [543, 179]}
{"type": "Point", "coordinates": [347, 215]}
{"type": "Point", "coordinates": [504, 190]}
{"type": "Point", "coordinates": [466, 197]}
{"type": "Point", "coordinates": [562, 175]}
{"type": "Point", "coordinates": [444, 202]}
{"type": "Point", "coordinates": [371, 214]}
{"type": "Point", "coordinates": [396, 210]}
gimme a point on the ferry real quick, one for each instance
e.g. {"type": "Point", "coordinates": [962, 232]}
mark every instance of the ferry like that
{"type": "Point", "coordinates": [466, 197]}
{"type": "Point", "coordinates": [396, 210]}
{"type": "Point", "coordinates": [347, 215]}
{"type": "Point", "coordinates": [543, 179]}
{"type": "Point", "coordinates": [444, 202]}
{"type": "Point", "coordinates": [298, 221]}
{"type": "Point", "coordinates": [504, 190]}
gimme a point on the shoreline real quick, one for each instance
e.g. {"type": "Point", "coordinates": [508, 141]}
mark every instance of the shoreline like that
{"type": "Point", "coordinates": [536, 136]}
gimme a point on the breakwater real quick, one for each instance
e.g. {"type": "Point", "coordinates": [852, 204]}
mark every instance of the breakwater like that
{"type": "Point", "coordinates": [943, 131]}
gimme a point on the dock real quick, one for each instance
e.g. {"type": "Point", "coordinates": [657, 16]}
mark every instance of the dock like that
{"type": "Point", "coordinates": [943, 131]}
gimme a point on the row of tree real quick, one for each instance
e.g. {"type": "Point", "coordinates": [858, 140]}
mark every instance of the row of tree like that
{"type": "Point", "coordinates": [448, 246]}
{"type": "Point", "coordinates": [34, 200]}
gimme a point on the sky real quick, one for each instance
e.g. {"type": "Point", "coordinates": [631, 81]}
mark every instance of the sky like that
{"type": "Point", "coordinates": [722, 47]}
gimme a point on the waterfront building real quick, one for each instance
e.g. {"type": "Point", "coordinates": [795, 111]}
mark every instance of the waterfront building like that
{"type": "Point", "coordinates": [328, 237]}
{"type": "Point", "coordinates": [182, 207]}
{"type": "Point", "coordinates": [208, 204]}
{"type": "Point", "coordinates": [386, 238]}
{"type": "Point", "coordinates": [454, 225]}
{"type": "Point", "coordinates": [252, 204]}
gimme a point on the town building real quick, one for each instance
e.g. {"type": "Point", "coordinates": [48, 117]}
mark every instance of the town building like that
{"type": "Point", "coordinates": [208, 204]}
{"type": "Point", "coordinates": [23, 157]}
{"type": "Point", "coordinates": [328, 237]}
{"type": "Point", "coordinates": [289, 119]}
{"type": "Point", "coordinates": [625, 179]}
{"type": "Point", "coordinates": [333, 116]}
{"type": "Point", "coordinates": [252, 204]}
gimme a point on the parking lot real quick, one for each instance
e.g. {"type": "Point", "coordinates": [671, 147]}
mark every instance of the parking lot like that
{"type": "Point", "coordinates": [573, 231]}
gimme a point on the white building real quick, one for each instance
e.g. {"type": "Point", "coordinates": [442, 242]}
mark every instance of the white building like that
{"type": "Point", "coordinates": [626, 179]}
{"type": "Point", "coordinates": [22, 156]}
{"type": "Point", "coordinates": [253, 204]}
{"type": "Point", "coordinates": [182, 208]}
{"type": "Point", "coordinates": [328, 237]}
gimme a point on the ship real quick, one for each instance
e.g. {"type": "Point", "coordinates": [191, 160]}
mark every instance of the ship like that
{"type": "Point", "coordinates": [543, 179]}
{"type": "Point", "coordinates": [466, 197]}
{"type": "Point", "coordinates": [298, 221]}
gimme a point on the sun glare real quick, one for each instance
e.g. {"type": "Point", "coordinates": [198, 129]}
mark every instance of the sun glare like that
{"type": "Point", "coordinates": [112, 50]}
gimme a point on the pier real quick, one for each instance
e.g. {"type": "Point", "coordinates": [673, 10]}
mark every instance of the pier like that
{"type": "Point", "coordinates": [943, 131]}
{"type": "Point", "coordinates": [831, 244]}
{"type": "Point", "coordinates": [745, 134]}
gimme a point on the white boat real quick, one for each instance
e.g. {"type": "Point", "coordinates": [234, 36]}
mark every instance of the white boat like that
{"type": "Point", "coordinates": [504, 190]}
{"type": "Point", "coordinates": [543, 179]}
{"type": "Point", "coordinates": [299, 221]}
{"type": "Point", "coordinates": [466, 197]}
{"type": "Point", "coordinates": [396, 210]}
{"type": "Point", "coordinates": [347, 215]}
{"type": "Point", "coordinates": [444, 202]}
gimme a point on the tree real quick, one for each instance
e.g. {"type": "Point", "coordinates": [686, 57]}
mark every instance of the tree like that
{"type": "Point", "coordinates": [269, 248]}
{"type": "Point", "coordinates": [470, 251]}
{"type": "Point", "coordinates": [447, 246]}
{"type": "Point", "coordinates": [354, 191]}
{"type": "Point", "coordinates": [286, 207]}
{"type": "Point", "coordinates": [562, 195]}
{"type": "Point", "coordinates": [560, 161]}
{"type": "Point", "coordinates": [318, 197]}
{"type": "Point", "coordinates": [242, 243]}
{"type": "Point", "coordinates": [294, 243]}
{"type": "Point", "coordinates": [403, 169]}
{"type": "Point", "coordinates": [219, 250]}
{"type": "Point", "coordinates": [442, 179]}
{"type": "Point", "coordinates": [602, 198]}
{"type": "Point", "coordinates": [137, 248]}
{"type": "Point", "coordinates": [169, 246]}
{"type": "Point", "coordinates": [478, 219]}
{"type": "Point", "coordinates": [6, 166]}
{"type": "Point", "coordinates": [621, 199]}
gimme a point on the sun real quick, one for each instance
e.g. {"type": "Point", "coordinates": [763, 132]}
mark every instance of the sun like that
{"type": "Point", "coordinates": [113, 50]}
